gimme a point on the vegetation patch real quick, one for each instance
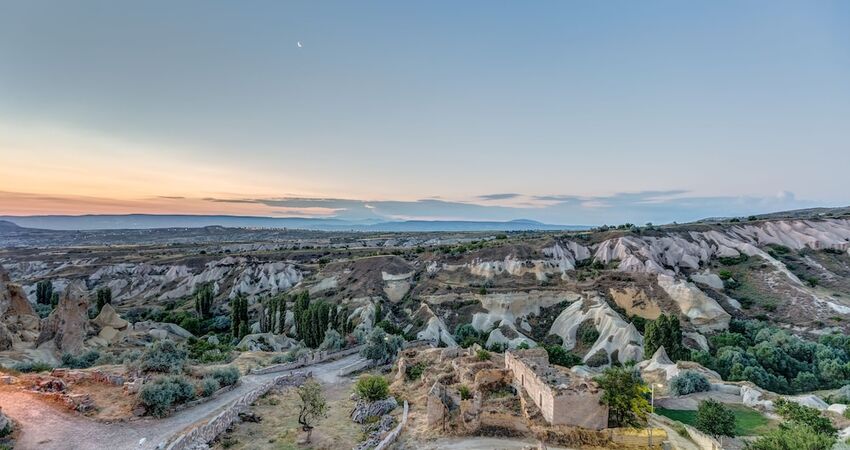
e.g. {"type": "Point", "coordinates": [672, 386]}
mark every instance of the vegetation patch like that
{"type": "Point", "coordinates": [748, 422]}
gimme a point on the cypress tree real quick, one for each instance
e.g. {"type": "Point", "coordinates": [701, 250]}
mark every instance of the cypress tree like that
{"type": "Point", "coordinates": [44, 292]}
{"type": "Point", "coordinates": [204, 301]}
{"type": "Point", "coordinates": [104, 296]}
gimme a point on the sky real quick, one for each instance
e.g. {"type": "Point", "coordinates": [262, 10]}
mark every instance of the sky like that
{"type": "Point", "coordinates": [565, 112]}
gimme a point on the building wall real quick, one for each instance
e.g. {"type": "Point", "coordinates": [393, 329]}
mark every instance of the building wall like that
{"type": "Point", "coordinates": [571, 408]}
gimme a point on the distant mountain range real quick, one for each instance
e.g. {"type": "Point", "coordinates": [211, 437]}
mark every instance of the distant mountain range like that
{"type": "Point", "coordinates": [153, 221]}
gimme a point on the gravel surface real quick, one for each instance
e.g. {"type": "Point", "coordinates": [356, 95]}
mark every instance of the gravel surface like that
{"type": "Point", "coordinates": [45, 426]}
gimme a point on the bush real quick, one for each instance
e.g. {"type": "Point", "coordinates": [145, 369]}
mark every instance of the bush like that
{"type": "Point", "coordinates": [163, 356]}
{"type": "Point", "coordinates": [333, 341]}
{"type": "Point", "coordinates": [689, 382]}
{"type": "Point", "coordinates": [225, 375]}
{"type": "Point", "coordinates": [587, 333]}
{"type": "Point", "coordinates": [203, 351]}
{"type": "Point", "coordinates": [465, 393]}
{"type": "Point", "coordinates": [161, 394]}
{"type": "Point", "coordinates": [209, 385]}
{"type": "Point", "coordinates": [83, 361]}
{"type": "Point", "coordinates": [560, 356]}
{"type": "Point", "coordinates": [466, 335]}
{"type": "Point", "coordinates": [600, 358]}
{"type": "Point", "coordinates": [31, 366]}
{"type": "Point", "coordinates": [483, 355]}
{"type": "Point", "coordinates": [372, 387]}
{"type": "Point", "coordinates": [792, 438]}
{"type": "Point", "coordinates": [381, 347]}
{"type": "Point", "coordinates": [800, 415]}
{"type": "Point", "coordinates": [414, 372]}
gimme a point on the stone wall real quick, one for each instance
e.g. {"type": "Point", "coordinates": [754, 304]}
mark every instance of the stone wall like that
{"type": "Point", "coordinates": [202, 433]}
{"type": "Point", "coordinates": [390, 438]}
{"type": "Point", "coordinates": [575, 408]}
{"type": "Point", "coordinates": [309, 359]}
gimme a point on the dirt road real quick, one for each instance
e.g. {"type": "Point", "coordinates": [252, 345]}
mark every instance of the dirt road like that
{"type": "Point", "coordinates": [50, 427]}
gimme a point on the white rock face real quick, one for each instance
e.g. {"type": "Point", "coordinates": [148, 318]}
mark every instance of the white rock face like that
{"type": "Point", "coordinates": [709, 279]}
{"type": "Point", "coordinates": [497, 337]}
{"type": "Point", "coordinates": [703, 311]}
{"type": "Point", "coordinates": [142, 281]}
{"type": "Point", "coordinates": [506, 308]}
{"type": "Point", "coordinates": [435, 328]}
{"type": "Point", "coordinates": [614, 332]}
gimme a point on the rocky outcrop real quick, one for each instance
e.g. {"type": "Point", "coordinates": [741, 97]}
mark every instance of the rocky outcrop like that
{"type": "Point", "coordinates": [68, 324]}
{"type": "Point", "coordinates": [19, 324]}
{"type": "Point", "coordinates": [363, 410]}
{"type": "Point", "coordinates": [266, 342]}
{"type": "Point", "coordinates": [615, 334]}
{"type": "Point", "coordinates": [702, 311]}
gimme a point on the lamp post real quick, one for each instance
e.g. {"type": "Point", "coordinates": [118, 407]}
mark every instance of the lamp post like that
{"type": "Point", "coordinates": [652, 407]}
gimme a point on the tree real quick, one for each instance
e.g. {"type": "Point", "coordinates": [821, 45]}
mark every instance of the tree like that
{"type": "Point", "coordinates": [313, 406]}
{"type": "Point", "coordinates": [665, 331]}
{"type": "Point", "coordinates": [800, 415]}
{"type": "Point", "coordinates": [239, 316]}
{"type": "Point", "coordinates": [625, 395]}
{"type": "Point", "coordinates": [204, 301]}
{"type": "Point", "coordinates": [715, 419]}
{"type": "Point", "coordinates": [104, 296]}
{"type": "Point", "coordinates": [300, 310]}
{"type": "Point", "coordinates": [44, 292]}
{"type": "Point", "coordinates": [273, 315]}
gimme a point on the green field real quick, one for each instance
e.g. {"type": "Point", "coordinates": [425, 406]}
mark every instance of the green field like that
{"type": "Point", "coordinates": [748, 422]}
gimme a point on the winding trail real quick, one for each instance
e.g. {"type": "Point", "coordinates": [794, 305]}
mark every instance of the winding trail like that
{"type": "Point", "coordinates": [45, 426]}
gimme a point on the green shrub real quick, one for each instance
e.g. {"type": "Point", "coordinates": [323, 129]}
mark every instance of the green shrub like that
{"type": "Point", "coordinates": [600, 358]}
{"type": "Point", "coordinates": [209, 385]}
{"type": "Point", "coordinates": [372, 387]}
{"type": "Point", "coordinates": [333, 341]}
{"type": "Point", "coordinates": [225, 375]}
{"type": "Point", "coordinates": [483, 355]}
{"type": "Point", "coordinates": [31, 366]}
{"type": "Point", "coordinates": [414, 372]}
{"type": "Point", "coordinates": [381, 347]}
{"type": "Point", "coordinates": [689, 382]}
{"type": "Point", "coordinates": [161, 394]}
{"type": "Point", "coordinates": [560, 356]}
{"type": "Point", "coordinates": [83, 361]}
{"type": "Point", "coordinates": [465, 393]}
{"type": "Point", "coordinates": [466, 335]}
{"type": "Point", "coordinates": [792, 438]}
{"type": "Point", "coordinates": [587, 333]}
{"type": "Point", "coordinates": [163, 356]}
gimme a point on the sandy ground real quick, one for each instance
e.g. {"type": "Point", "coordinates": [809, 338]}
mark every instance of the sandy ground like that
{"type": "Point", "coordinates": [279, 427]}
{"type": "Point", "coordinates": [47, 426]}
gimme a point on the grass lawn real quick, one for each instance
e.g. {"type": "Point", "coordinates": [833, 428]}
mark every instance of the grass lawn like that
{"type": "Point", "coordinates": [748, 422]}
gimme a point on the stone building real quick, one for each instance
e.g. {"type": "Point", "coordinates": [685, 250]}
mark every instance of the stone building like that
{"type": "Point", "coordinates": [563, 398]}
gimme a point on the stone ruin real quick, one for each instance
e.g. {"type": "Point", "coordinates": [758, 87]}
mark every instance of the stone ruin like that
{"type": "Point", "coordinates": [564, 398]}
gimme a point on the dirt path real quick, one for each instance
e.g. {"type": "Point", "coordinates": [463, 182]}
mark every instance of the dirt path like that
{"type": "Point", "coordinates": [47, 427]}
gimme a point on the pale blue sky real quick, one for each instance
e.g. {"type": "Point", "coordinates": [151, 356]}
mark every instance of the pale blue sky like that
{"type": "Point", "coordinates": [724, 107]}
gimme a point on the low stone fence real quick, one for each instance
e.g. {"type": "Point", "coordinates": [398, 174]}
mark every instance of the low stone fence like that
{"type": "Point", "coordinates": [355, 367]}
{"type": "Point", "coordinates": [391, 437]}
{"type": "Point", "coordinates": [207, 431]}
{"type": "Point", "coordinates": [306, 360]}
